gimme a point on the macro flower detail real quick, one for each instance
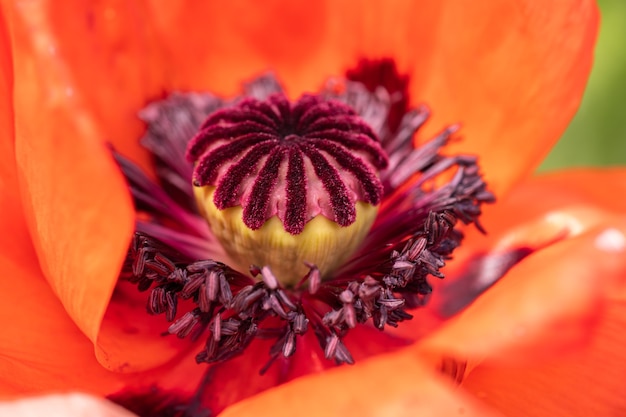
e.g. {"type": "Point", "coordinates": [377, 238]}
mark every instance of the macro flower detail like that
{"type": "Point", "coordinates": [262, 159]}
{"type": "Point", "coordinates": [313, 130]}
{"type": "Point", "coordinates": [509, 323]}
{"type": "Point", "coordinates": [257, 155]}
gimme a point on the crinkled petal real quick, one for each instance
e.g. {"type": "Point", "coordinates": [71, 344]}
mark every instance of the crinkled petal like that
{"type": "Point", "coordinates": [12, 222]}
{"type": "Point", "coordinates": [547, 305]}
{"type": "Point", "coordinates": [589, 382]}
{"type": "Point", "coordinates": [513, 80]}
{"type": "Point", "coordinates": [131, 340]}
{"type": "Point", "coordinates": [41, 348]}
{"type": "Point", "coordinates": [512, 73]}
{"type": "Point", "coordinates": [574, 230]}
{"type": "Point", "coordinates": [77, 209]}
{"type": "Point", "coordinates": [389, 385]}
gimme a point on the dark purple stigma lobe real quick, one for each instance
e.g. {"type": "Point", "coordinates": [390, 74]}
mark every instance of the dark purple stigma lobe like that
{"type": "Point", "coordinates": [249, 150]}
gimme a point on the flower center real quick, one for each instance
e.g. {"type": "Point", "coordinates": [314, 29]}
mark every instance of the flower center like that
{"type": "Point", "coordinates": [268, 171]}
{"type": "Point", "coordinates": [288, 185]}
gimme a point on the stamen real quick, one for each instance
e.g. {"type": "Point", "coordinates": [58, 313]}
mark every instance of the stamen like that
{"type": "Point", "coordinates": [382, 77]}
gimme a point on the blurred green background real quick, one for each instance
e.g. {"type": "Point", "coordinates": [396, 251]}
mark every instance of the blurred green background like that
{"type": "Point", "coordinates": [597, 135]}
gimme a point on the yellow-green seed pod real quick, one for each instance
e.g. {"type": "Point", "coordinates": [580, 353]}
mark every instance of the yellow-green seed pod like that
{"type": "Point", "coordinates": [286, 185]}
{"type": "Point", "coordinates": [322, 243]}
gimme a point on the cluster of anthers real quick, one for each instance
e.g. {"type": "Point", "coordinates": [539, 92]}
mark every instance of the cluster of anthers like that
{"type": "Point", "coordinates": [319, 215]}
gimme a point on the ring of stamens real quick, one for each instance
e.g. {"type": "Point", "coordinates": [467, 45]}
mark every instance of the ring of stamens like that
{"type": "Point", "coordinates": [379, 284]}
{"type": "Point", "coordinates": [282, 183]}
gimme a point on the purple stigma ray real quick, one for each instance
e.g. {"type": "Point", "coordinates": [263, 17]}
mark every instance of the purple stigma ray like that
{"type": "Point", "coordinates": [254, 211]}
{"type": "Point", "coordinates": [211, 161]}
{"type": "Point", "coordinates": [371, 185]}
{"type": "Point", "coordinates": [344, 210]}
{"type": "Point", "coordinates": [242, 151]}
{"type": "Point", "coordinates": [225, 194]}
{"type": "Point", "coordinates": [296, 189]}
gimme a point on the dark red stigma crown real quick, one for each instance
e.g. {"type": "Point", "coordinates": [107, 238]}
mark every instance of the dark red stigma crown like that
{"type": "Point", "coordinates": [293, 160]}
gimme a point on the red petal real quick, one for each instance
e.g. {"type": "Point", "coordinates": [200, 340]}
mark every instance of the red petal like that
{"type": "Point", "coordinates": [308, 359]}
{"type": "Point", "coordinates": [587, 383]}
{"type": "Point", "coordinates": [390, 385]}
{"type": "Point", "coordinates": [130, 340]}
{"type": "Point", "coordinates": [77, 208]}
{"type": "Point", "coordinates": [544, 306]}
{"type": "Point", "coordinates": [42, 349]}
{"type": "Point", "coordinates": [12, 223]}
{"type": "Point", "coordinates": [538, 213]}
{"type": "Point", "coordinates": [512, 73]}
{"type": "Point", "coordinates": [101, 61]}
{"type": "Point", "coordinates": [514, 79]}
{"type": "Point", "coordinates": [558, 287]}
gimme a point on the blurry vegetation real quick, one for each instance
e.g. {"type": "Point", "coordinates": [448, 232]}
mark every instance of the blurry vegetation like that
{"type": "Point", "coordinates": [597, 135]}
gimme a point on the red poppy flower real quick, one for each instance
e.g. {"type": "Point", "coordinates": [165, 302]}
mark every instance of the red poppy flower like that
{"type": "Point", "coordinates": [74, 77]}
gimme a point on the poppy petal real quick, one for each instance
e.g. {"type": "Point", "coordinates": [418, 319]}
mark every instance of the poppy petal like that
{"type": "Point", "coordinates": [76, 204]}
{"type": "Point", "coordinates": [589, 382]}
{"type": "Point", "coordinates": [104, 63]}
{"type": "Point", "coordinates": [130, 340]}
{"type": "Point", "coordinates": [546, 305]}
{"type": "Point", "coordinates": [389, 385]}
{"type": "Point", "coordinates": [575, 186]}
{"type": "Point", "coordinates": [534, 215]}
{"type": "Point", "coordinates": [12, 222]}
{"type": "Point", "coordinates": [42, 349]}
{"type": "Point", "coordinates": [514, 79]}
{"type": "Point", "coordinates": [537, 213]}
{"type": "Point", "coordinates": [559, 287]}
